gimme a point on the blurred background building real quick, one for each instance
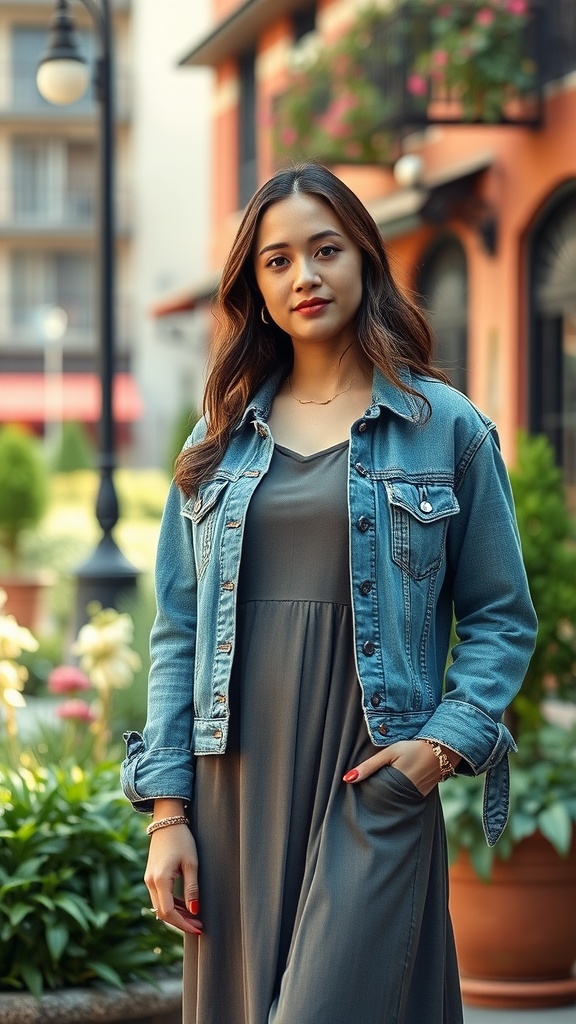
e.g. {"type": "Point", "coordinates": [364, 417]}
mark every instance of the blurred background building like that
{"type": "Point", "coordinates": [480, 217]}
{"type": "Point", "coordinates": [48, 207]}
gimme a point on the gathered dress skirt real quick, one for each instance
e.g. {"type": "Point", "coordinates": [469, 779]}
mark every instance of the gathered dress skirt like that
{"type": "Point", "coordinates": [322, 902]}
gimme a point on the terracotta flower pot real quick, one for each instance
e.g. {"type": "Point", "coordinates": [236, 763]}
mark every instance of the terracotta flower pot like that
{"type": "Point", "coordinates": [24, 597]}
{"type": "Point", "coordinates": [516, 933]}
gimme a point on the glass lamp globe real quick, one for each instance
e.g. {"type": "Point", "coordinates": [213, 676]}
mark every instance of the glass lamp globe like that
{"type": "Point", "coordinates": [62, 80]}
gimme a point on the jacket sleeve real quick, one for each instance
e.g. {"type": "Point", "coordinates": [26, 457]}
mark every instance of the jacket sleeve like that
{"type": "Point", "coordinates": [495, 625]}
{"type": "Point", "coordinates": [160, 763]}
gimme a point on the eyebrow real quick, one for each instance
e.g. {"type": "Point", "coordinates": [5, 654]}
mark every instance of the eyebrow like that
{"type": "Point", "coordinates": [328, 232]}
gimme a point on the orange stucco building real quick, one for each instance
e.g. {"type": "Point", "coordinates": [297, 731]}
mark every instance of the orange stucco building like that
{"type": "Point", "coordinates": [485, 232]}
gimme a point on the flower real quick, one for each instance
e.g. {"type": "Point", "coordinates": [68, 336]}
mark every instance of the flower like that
{"type": "Point", "coordinates": [417, 85]}
{"type": "Point", "coordinates": [476, 56]}
{"type": "Point", "coordinates": [14, 639]}
{"type": "Point", "coordinates": [103, 645]}
{"type": "Point", "coordinates": [77, 711]}
{"type": "Point", "coordinates": [67, 679]}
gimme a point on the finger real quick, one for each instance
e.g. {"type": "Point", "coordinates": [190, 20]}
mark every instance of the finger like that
{"type": "Point", "coordinates": [182, 920]}
{"type": "Point", "coordinates": [368, 767]}
{"type": "Point", "coordinates": [192, 896]}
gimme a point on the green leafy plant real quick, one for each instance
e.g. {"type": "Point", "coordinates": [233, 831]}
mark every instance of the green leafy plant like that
{"type": "Point", "coordinates": [542, 799]}
{"type": "Point", "coordinates": [23, 488]}
{"type": "Point", "coordinates": [475, 53]}
{"type": "Point", "coordinates": [73, 905]}
{"type": "Point", "coordinates": [76, 450]}
{"type": "Point", "coordinates": [543, 772]}
{"type": "Point", "coordinates": [332, 108]}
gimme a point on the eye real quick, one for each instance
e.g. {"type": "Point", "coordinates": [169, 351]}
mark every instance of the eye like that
{"type": "Point", "coordinates": [277, 261]}
{"type": "Point", "coordinates": [327, 250]}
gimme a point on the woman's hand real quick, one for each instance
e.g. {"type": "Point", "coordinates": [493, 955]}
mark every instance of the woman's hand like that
{"type": "Point", "coordinates": [414, 758]}
{"type": "Point", "coordinates": [173, 853]}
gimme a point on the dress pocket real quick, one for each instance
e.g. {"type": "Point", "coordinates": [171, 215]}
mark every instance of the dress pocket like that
{"type": "Point", "coordinates": [420, 513]}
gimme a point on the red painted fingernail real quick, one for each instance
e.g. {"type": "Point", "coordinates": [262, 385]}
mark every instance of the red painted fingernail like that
{"type": "Point", "coordinates": [351, 776]}
{"type": "Point", "coordinates": [194, 907]}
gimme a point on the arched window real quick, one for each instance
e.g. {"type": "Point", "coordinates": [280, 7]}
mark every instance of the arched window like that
{"type": "Point", "coordinates": [553, 340]}
{"type": "Point", "coordinates": [443, 287]}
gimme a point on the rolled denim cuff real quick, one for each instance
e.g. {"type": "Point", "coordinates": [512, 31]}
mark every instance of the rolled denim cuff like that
{"type": "Point", "coordinates": [149, 775]}
{"type": "Point", "coordinates": [484, 745]}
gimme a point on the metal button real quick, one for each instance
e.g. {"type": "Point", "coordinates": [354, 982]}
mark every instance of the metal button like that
{"type": "Point", "coordinates": [233, 524]}
{"type": "Point", "coordinates": [198, 505]}
{"type": "Point", "coordinates": [365, 587]}
{"type": "Point", "coordinates": [368, 648]}
{"type": "Point", "coordinates": [360, 469]}
{"type": "Point", "coordinates": [425, 506]}
{"type": "Point", "coordinates": [262, 430]}
{"type": "Point", "coordinates": [251, 472]}
{"type": "Point", "coordinates": [363, 524]}
{"type": "Point", "coordinates": [220, 699]}
{"type": "Point", "coordinates": [362, 427]}
{"type": "Point", "coordinates": [228, 586]}
{"type": "Point", "coordinates": [224, 648]}
{"type": "Point", "coordinates": [376, 700]}
{"type": "Point", "coordinates": [217, 734]}
{"type": "Point", "coordinates": [382, 729]}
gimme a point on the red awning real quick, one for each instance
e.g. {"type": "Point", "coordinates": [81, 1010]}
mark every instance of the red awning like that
{"type": "Point", "coordinates": [23, 398]}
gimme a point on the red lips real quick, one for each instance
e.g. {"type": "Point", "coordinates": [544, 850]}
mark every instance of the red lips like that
{"type": "Point", "coordinates": [309, 303]}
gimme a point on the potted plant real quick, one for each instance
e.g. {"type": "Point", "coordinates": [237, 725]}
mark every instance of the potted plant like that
{"type": "Point", "coordinates": [471, 54]}
{"type": "Point", "coordinates": [23, 500]}
{"type": "Point", "coordinates": [513, 906]}
{"type": "Point", "coordinates": [77, 934]}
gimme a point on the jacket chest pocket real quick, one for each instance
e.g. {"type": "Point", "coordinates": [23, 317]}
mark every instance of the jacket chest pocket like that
{"type": "Point", "coordinates": [202, 510]}
{"type": "Point", "coordinates": [420, 514]}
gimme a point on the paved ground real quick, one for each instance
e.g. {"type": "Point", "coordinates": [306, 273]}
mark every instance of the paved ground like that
{"type": "Point", "coordinates": [560, 1015]}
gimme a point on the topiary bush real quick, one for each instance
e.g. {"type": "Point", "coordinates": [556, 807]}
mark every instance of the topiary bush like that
{"type": "Point", "coordinates": [23, 488]}
{"type": "Point", "coordinates": [74, 909]}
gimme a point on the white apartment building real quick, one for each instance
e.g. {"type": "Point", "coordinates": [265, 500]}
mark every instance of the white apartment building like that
{"type": "Point", "coordinates": [48, 208]}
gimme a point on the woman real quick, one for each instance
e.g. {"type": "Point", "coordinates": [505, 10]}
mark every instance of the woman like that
{"type": "Point", "coordinates": [336, 507]}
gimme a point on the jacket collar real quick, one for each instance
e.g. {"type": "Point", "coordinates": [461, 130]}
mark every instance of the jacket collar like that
{"type": "Point", "coordinates": [385, 395]}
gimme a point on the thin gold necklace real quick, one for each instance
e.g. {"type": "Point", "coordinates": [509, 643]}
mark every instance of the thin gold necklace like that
{"type": "Point", "coordinates": [311, 401]}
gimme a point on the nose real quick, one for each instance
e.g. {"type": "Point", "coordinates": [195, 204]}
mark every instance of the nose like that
{"type": "Point", "coordinates": [307, 275]}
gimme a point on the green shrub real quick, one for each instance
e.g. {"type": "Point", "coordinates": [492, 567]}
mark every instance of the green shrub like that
{"type": "Point", "coordinates": [181, 429]}
{"type": "Point", "coordinates": [76, 451]}
{"type": "Point", "coordinates": [23, 487]}
{"type": "Point", "coordinates": [72, 899]}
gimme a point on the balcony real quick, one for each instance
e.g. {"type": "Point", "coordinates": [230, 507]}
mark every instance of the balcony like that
{"type": "Point", "coordinates": [423, 63]}
{"type": "Point", "coordinates": [21, 327]}
{"type": "Point", "coordinates": [65, 212]}
{"type": "Point", "coordinates": [20, 99]}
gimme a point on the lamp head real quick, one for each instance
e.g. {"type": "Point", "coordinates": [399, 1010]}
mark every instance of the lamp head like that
{"type": "Point", "coordinates": [63, 72]}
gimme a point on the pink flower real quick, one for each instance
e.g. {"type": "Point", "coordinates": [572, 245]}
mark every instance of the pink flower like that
{"type": "Point", "coordinates": [439, 58]}
{"type": "Point", "coordinates": [518, 7]}
{"type": "Point", "coordinates": [288, 136]}
{"type": "Point", "coordinates": [76, 711]}
{"type": "Point", "coordinates": [417, 85]}
{"type": "Point", "coordinates": [484, 17]}
{"type": "Point", "coordinates": [68, 679]}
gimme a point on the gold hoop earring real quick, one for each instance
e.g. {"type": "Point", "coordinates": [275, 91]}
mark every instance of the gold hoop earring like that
{"type": "Point", "coordinates": [262, 317]}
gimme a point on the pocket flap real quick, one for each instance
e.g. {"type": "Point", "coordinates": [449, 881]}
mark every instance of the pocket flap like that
{"type": "Point", "coordinates": [426, 502]}
{"type": "Point", "coordinates": [200, 504]}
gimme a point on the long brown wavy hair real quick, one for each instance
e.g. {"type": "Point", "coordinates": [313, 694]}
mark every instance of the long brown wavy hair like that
{"type": "Point", "coordinates": [392, 332]}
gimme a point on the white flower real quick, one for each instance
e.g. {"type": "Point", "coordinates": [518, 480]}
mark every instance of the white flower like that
{"type": "Point", "coordinates": [13, 638]}
{"type": "Point", "coordinates": [103, 645]}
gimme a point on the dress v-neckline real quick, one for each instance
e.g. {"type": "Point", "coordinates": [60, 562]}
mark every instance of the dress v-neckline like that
{"type": "Point", "coordinates": [314, 455]}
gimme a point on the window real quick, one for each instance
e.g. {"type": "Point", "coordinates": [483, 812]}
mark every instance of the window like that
{"type": "Point", "coordinates": [443, 285]}
{"type": "Point", "coordinates": [41, 279]}
{"type": "Point", "coordinates": [304, 22]}
{"type": "Point", "coordinates": [53, 180]}
{"type": "Point", "coordinates": [553, 343]}
{"type": "Point", "coordinates": [247, 168]}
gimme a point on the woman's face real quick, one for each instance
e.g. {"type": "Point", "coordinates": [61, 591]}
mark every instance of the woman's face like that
{"type": "Point", "coordinates": [309, 271]}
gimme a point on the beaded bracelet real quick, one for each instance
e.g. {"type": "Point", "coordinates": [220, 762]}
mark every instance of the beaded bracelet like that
{"type": "Point", "coordinates": [446, 769]}
{"type": "Point", "coordinates": [174, 819]}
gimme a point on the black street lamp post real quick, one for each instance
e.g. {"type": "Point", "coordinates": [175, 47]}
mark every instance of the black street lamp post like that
{"type": "Point", "coordinates": [62, 78]}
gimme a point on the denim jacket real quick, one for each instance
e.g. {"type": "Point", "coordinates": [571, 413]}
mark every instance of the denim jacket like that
{"type": "Point", "coordinates": [433, 537]}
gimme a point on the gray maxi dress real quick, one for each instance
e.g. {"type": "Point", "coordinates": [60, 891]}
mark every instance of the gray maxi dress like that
{"type": "Point", "coordinates": [322, 902]}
